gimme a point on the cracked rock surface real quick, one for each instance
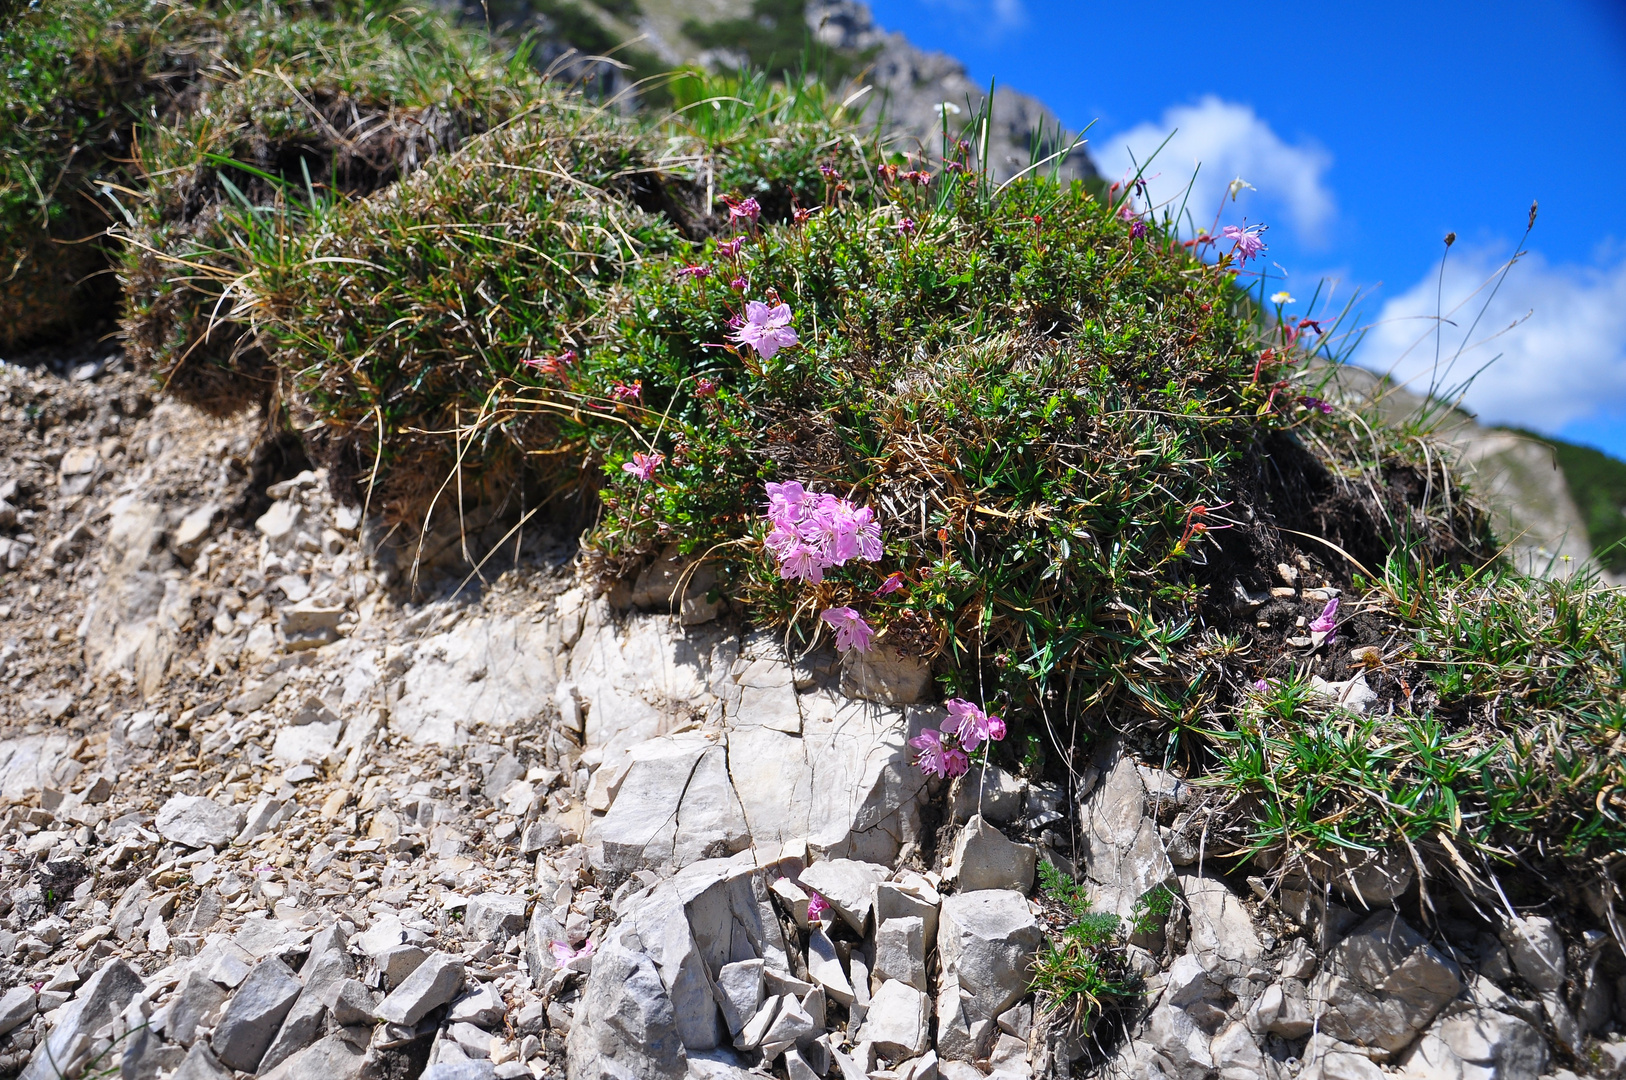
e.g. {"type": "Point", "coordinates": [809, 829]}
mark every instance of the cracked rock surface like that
{"type": "Point", "coordinates": [265, 812]}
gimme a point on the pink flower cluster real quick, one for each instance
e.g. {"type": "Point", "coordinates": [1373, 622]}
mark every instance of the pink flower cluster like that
{"type": "Point", "coordinates": [947, 752]}
{"type": "Point", "coordinates": [813, 531]}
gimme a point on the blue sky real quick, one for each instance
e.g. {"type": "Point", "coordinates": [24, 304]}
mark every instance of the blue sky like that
{"type": "Point", "coordinates": [1371, 131]}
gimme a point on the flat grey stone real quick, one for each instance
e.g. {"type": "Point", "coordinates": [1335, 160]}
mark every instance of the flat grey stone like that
{"type": "Point", "coordinates": [467, 1069]}
{"type": "Point", "coordinates": [1473, 1043]}
{"type": "Point", "coordinates": [494, 917]}
{"type": "Point", "coordinates": [739, 993]}
{"type": "Point", "coordinates": [984, 859]}
{"type": "Point", "coordinates": [333, 1057]}
{"type": "Point", "coordinates": [988, 939]}
{"type": "Point", "coordinates": [300, 1028]}
{"type": "Point", "coordinates": [482, 1007]}
{"type": "Point", "coordinates": [254, 1014]}
{"type": "Point", "coordinates": [435, 982]}
{"type": "Point", "coordinates": [897, 1020]}
{"type": "Point", "coordinates": [397, 963]}
{"type": "Point", "coordinates": [200, 1063]}
{"type": "Point", "coordinates": [196, 822]}
{"type": "Point", "coordinates": [196, 1000]}
{"type": "Point", "coordinates": [17, 1007]}
{"type": "Point", "coordinates": [103, 996]}
{"type": "Point", "coordinates": [350, 1002]}
{"type": "Point", "coordinates": [849, 886]}
{"type": "Point", "coordinates": [1385, 985]}
{"type": "Point", "coordinates": [900, 951]}
{"type": "Point", "coordinates": [624, 1025]}
{"type": "Point", "coordinates": [1537, 950]}
{"type": "Point", "coordinates": [994, 793]}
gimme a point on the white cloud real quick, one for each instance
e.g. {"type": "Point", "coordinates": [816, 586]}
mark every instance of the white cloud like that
{"type": "Point", "coordinates": [1560, 331]}
{"type": "Point", "coordinates": [997, 17]}
{"type": "Point", "coordinates": [1227, 140]}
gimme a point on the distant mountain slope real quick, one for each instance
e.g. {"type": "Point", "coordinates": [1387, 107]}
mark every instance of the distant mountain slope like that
{"type": "Point", "coordinates": [1531, 484]}
{"type": "Point", "coordinates": [910, 84]}
{"type": "Point", "coordinates": [1597, 483]}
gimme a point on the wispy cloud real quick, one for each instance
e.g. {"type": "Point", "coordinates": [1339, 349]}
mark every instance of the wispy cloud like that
{"type": "Point", "coordinates": [1223, 140]}
{"type": "Point", "coordinates": [1556, 332]}
{"type": "Point", "coordinates": [996, 17]}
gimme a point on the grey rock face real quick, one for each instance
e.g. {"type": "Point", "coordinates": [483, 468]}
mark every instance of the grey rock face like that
{"type": "Point", "coordinates": [675, 806]}
{"type": "Point", "coordinates": [1386, 984]}
{"type": "Point", "coordinates": [897, 1020]}
{"type": "Point", "coordinates": [254, 1015]}
{"type": "Point", "coordinates": [913, 83]}
{"type": "Point", "coordinates": [201, 1064]}
{"type": "Point", "coordinates": [196, 1000]}
{"type": "Point", "coordinates": [482, 1007]}
{"type": "Point", "coordinates": [350, 1002]}
{"type": "Point", "coordinates": [987, 940]}
{"type": "Point", "coordinates": [1122, 854]}
{"type": "Point", "coordinates": [467, 1069]}
{"type": "Point", "coordinates": [984, 859]}
{"type": "Point", "coordinates": [1222, 933]}
{"type": "Point", "coordinates": [993, 793]}
{"type": "Point", "coordinates": [300, 1028]}
{"type": "Point", "coordinates": [1368, 880]}
{"type": "Point", "coordinates": [494, 917]}
{"type": "Point", "coordinates": [1471, 1043]}
{"type": "Point", "coordinates": [739, 993]}
{"type": "Point", "coordinates": [900, 951]}
{"type": "Point", "coordinates": [849, 886]}
{"type": "Point", "coordinates": [625, 1026]}
{"type": "Point", "coordinates": [435, 982]}
{"type": "Point", "coordinates": [103, 996]}
{"type": "Point", "coordinates": [197, 822]}
{"type": "Point", "coordinates": [334, 1057]}
{"type": "Point", "coordinates": [16, 1007]}
{"type": "Point", "coordinates": [1537, 951]}
{"type": "Point", "coordinates": [885, 676]}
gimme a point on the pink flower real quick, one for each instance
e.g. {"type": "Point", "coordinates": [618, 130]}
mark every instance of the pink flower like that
{"type": "Point", "coordinates": [765, 329]}
{"type": "Point", "coordinates": [852, 632]}
{"type": "Point", "coordinates": [970, 725]}
{"type": "Point", "coordinates": [936, 759]}
{"type": "Point", "coordinates": [1137, 228]}
{"type": "Point", "coordinates": [1317, 404]}
{"type": "Point", "coordinates": [816, 906]}
{"type": "Point", "coordinates": [698, 272]}
{"type": "Point", "coordinates": [893, 582]}
{"type": "Point", "coordinates": [731, 250]}
{"type": "Point", "coordinates": [628, 392]}
{"type": "Point", "coordinates": [739, 284]}
{"type": "Point", "coordinates": [1261, 686]}
{"type": "Point", "coordinates": [829, 172]}
{"type": "Point", "coordinates": [743, 210]}
{"type": "Point", "coordinates": [905, 227]}
{"type": "Point", "coordinates": [564, 954]}
{"type": "Point", "coordinates": [643, 465]}
{"type": "Point", "coordinates": [801, 214]}
{"type": "Point", "coordinates": [1246, 242]}
{"type": "Point", "coordinates": [705, 388]}
{"type": "Point", "coordinates": [1327, 621]}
